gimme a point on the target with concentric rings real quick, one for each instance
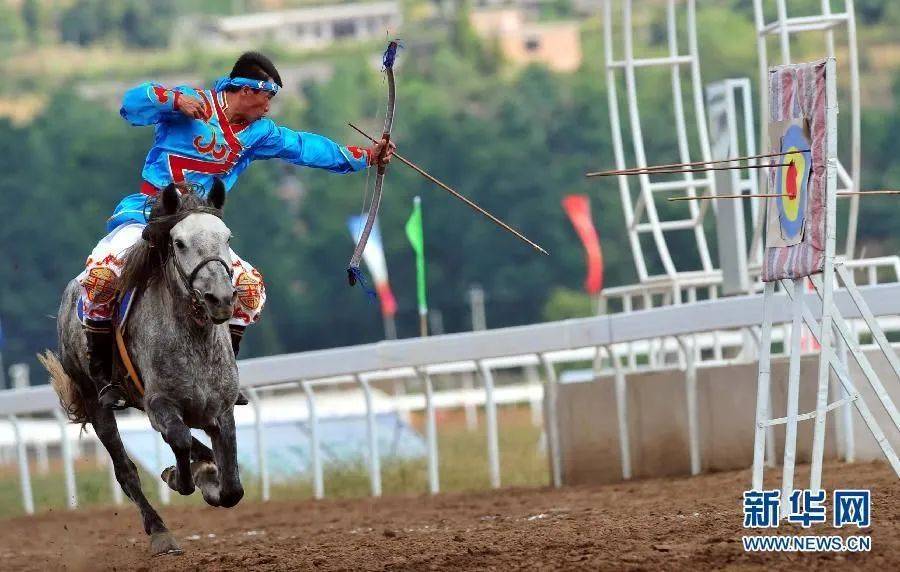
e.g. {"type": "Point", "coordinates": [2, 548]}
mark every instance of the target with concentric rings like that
{"type": "Point", "coordinates": [792, 180]}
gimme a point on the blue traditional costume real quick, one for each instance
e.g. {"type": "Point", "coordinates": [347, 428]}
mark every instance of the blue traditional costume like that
{"type": "Point", "coordinates": [189, 150]}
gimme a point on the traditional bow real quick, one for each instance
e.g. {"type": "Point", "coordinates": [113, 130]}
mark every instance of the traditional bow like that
{"type": "Point", "coordinates": [353, 272]}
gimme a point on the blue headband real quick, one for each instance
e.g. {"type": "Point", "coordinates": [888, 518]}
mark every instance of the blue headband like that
{"type": "Point", "coordinates": [226, 82]}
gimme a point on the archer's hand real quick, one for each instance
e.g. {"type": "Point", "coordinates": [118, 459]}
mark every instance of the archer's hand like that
{"type": "Point", "coordinates": [375, 152]}
{"type": "Point", "coordinates": [190, 106]}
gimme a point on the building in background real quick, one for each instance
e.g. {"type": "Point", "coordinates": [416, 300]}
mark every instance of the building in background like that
{"type": "Point", "coordinates": [556, 45]}
{"type": "Point", "coordinates": [305, 28]}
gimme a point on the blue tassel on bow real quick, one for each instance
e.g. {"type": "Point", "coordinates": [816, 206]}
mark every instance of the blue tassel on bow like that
{"type": "Point", "coordinates": [355, 275]}
{"type": "Point", "coordinates": [390, 54]}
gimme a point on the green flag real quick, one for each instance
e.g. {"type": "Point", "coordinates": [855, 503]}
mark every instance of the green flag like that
{"type": "Point", "coordinates": [417, 239]}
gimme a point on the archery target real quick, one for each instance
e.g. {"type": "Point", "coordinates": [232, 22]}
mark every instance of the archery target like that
{"type": "Point", "coordinates": [787, 214]}
{"type": "Point", "coordinates": [801, 114]}
{"type": "Point", "coordinates": [792, 180]}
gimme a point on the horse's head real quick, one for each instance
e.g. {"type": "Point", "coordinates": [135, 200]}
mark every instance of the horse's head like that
{"type": "Point", "coordinates": [199, 251]}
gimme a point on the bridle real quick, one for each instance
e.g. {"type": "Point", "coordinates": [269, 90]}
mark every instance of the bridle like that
{"type": "Point", "coordinates": [198, 310]}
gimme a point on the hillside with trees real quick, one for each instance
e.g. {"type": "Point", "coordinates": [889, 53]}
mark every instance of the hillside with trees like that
{"type": "Point", "coordinates": [516, 140]}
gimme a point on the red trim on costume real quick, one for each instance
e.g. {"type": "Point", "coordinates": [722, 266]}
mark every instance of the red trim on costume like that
{"type": "Point", "coordinates": [228, 132]}
{"type": "Point", "coordinates": [162, 94]}
{"type": "Point", "coordinates": [211, 149]}
{"type": "Point", "coordinates": [148, 189]}
{"type": "Point", "coordinates": [207, 106]}
{"type": "Point", "coordinates": [359, 153]}
{"type": "Point", "coordinates": [111, 260]}
{"type": "Point", "coordinates": [178, 165]}
{"type": "Point", "coordinates": [241, 315]}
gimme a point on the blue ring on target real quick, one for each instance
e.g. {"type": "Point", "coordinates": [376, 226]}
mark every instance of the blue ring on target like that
{"type": "Point", "coordinates": [790, 213]}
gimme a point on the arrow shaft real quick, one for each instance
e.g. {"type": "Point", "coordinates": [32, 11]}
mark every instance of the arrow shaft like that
{"type": "Point", "coordinates": [464, 199]}
{"type": "Point", "coordinates": [655, 168]}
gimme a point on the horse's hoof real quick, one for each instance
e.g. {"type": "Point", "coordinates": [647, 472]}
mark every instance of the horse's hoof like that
{"type": "Point", "coordinates": [170, 477]}
{"type": "Point", "coordinates": [231, 498]}
{"type": "Point", "coordinates": [164, 543]}
{"type": "Point", "coordinates": [206, 477]}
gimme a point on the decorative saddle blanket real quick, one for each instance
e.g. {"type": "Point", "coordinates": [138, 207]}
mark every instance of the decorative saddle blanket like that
{"type": "Point", "coordinates": [120, 316]}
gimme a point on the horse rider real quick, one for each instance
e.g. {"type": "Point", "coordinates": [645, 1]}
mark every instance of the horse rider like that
{"type": "Point", "coordinates": [200, 134]}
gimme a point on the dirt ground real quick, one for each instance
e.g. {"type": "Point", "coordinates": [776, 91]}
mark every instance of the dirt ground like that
{"type": "Point", "coordinates": [693, 523]}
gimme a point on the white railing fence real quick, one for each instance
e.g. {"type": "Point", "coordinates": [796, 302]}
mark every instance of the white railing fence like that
{"type": "Point", "coordinates": [605, 341]}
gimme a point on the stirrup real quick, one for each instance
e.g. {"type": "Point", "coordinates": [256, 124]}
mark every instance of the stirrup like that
{"type": "Point", "coordinates": [112, 397]}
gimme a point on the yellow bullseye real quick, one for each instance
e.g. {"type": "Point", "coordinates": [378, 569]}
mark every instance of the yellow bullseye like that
{"type": "Point", "coordinates": [792, 206]}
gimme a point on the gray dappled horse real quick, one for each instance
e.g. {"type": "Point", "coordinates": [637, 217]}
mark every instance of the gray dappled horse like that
{"type": "Point", "coordinates": [178, 340]}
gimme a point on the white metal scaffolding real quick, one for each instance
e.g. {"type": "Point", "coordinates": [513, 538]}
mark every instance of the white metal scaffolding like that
{"type": "Point", "coordinates": [641, 214]}
{"type": "Point", "coordinates": [784, 27]}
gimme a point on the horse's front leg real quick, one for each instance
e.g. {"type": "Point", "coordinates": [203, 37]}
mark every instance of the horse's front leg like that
{"type": "Point", "coordinates": [104, 422]}
{"type": "Point", "coordinates": [224, 444]}
{"type": "Point", "coordinates": [165, 417]}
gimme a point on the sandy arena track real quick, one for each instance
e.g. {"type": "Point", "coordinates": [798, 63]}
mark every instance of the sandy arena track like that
{"type": "Point", "coordinates": [688, 523]}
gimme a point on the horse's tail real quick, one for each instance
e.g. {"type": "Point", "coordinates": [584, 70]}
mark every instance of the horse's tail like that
{"type": "Point", "coordinates": [68, 391]}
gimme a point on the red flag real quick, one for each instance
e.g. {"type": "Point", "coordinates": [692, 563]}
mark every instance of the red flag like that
{"type": "Point", "coordinates": [578, 207]}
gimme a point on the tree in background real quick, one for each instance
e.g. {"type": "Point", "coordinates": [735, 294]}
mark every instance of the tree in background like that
{"type": "Point", "coordinates": [148, 24]}
{"type": "Point", "coordinates": [11, 27]}
{"type": "Point", "coordinates": [32, 16]}
{"type": "Point", "coordinates": [137, 23]}
{"type": "Point", "coordinates": [86, 22]}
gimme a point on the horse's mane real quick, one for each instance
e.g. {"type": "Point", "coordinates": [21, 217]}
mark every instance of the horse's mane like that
{"type": "Point", "coordinates": [145, 260]}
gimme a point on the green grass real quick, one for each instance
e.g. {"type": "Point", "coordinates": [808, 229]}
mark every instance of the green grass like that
{"type": "Point", "coordinates": [462, 461]}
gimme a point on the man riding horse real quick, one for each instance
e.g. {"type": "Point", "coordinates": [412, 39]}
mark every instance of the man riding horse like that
{"type": "Point", "coordinates": [200, 135]}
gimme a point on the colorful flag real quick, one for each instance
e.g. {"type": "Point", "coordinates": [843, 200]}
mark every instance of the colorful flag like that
{"type": "Point", "coordinates": [578, 207]}
{"type": "Point", "coordinates": [416, 236]}
{"type": "Point", "coordinates": [374, 257]}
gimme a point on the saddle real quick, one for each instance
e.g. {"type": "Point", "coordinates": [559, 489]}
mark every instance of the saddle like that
{"type": "Point", "coordinates": [123, 367]}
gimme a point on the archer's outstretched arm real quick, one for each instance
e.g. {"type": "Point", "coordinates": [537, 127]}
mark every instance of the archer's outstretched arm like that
{"type": "Point", "coordinates": [310, 150]}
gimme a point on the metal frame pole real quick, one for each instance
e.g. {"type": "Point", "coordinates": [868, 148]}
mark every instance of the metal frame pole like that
{"type": "Point", "coordinates": [793, 399]}
{"type": "Point", "coordinates": [551, 386]}
{"type": "Point", "coordinates": [681, 128]}
{"type": "Point", "coordinates": [68, 464]}
{"type": "Point", "coordinates": [855, 127]}
{"type": "Point", "coordinates": [372, 433]}
{"type": "Point", "coordinates": [618, 146]}
{"type": "Point", "coordinates": [621, 390]}
{"type": "Point", "coordinates": [700, 120]}
{"type": "Point", "coordinates": [315, 450]}
{"type": "Point", "coordinates": [24, 473]}
{"type": "Point", "coordinates": [434, 484]}
{"type": "Point", "coordinates": [259, 428]}
{"type": "Point", "coordinates": [534, 404]}
{"type": "Point", "coordinates": [690, 392]}
{"type": "Point", "coordinates": [42, 457]}
{"type": "Point", "coordinates": [826, 340]}
{"type": "Point", "coordinates": [469, 407]}
{"type": "Point", "coordinates": [490, 414]}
